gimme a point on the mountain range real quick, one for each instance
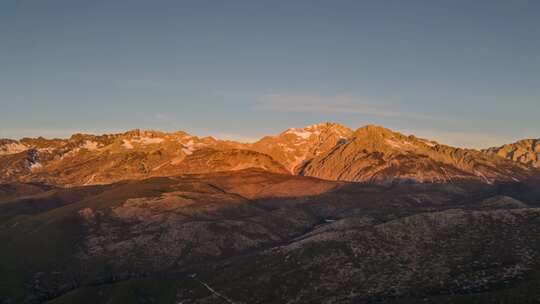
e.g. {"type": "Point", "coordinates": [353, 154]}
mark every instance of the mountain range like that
{"type": "Point", "coordinates": [328, 151]}
{"type": "Point", "coordinates": [321, 214]}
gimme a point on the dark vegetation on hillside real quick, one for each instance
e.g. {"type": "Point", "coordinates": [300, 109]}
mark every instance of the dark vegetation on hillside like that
{"type": "Point", "coordinates": [255, 237]}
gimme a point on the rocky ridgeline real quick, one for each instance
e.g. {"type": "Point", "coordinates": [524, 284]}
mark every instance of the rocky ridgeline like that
{"type": "Point", "coordinates": [379, 155]}
{"type": "Point", "coordinates": [525, 151]}
{"type": "Point", "coordinates": [328, 150]}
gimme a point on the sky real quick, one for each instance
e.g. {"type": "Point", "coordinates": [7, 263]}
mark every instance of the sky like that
{"type": "Point", "coordinates": [465, 73]}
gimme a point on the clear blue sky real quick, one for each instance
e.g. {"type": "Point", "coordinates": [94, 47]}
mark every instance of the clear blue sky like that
{"type": "Point", "coordinates": [462, 72]}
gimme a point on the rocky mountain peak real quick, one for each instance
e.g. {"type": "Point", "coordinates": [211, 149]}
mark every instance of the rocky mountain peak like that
{"type": "Point", "coordinates": [525, 151]}
{"type": "Point", "coordinates": [377, 154]}
{"type": "Point", "coordinates": [143, 133]}
{"type": "Point", "coordinates": [317, 130]}
{"type": "Point", "coordinates": [296, 145]}
{"type": "Point", "coordinates": [376, 138]}
{"type": "Point", "coordinates": [329, 126]}
{"type": "Point", "coordinates": [374, 132]}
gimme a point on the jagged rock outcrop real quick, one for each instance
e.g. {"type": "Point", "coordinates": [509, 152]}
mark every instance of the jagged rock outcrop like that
{"type": "Point", "coordinates": [525, 151]}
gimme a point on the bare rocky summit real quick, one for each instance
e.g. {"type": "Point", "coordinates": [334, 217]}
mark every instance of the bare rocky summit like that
{"type": "Point", "coordinates": [525, 151]}
{"type": "Point", "coordinates": [376, 154]}
{"type": "Point", "coordinates": [296, 146]}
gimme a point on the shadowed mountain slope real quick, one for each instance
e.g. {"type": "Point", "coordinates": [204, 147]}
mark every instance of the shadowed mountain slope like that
{"type": "Point", "coordinates": [259, 237]}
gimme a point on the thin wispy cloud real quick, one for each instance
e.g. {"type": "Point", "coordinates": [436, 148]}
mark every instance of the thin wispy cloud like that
{"type": "Point", "coordinates": [341, 104]}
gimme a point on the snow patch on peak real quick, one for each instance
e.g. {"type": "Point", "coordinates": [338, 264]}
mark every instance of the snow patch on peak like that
{"type": "Point", "coordinates": [302, 133]}
{"type": "Point", "coordinates": [188, 147]}
{"type": "Point", "coordinates": [149, 140]}
{"type": "Point", "coordinates": [90, 145]}
{"type": "Point", "coordinates": [187, 151]}
{"type": "Point", "coordinates": [127, 144]}
{"type": "Point", "coordinates": [397, 144]}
